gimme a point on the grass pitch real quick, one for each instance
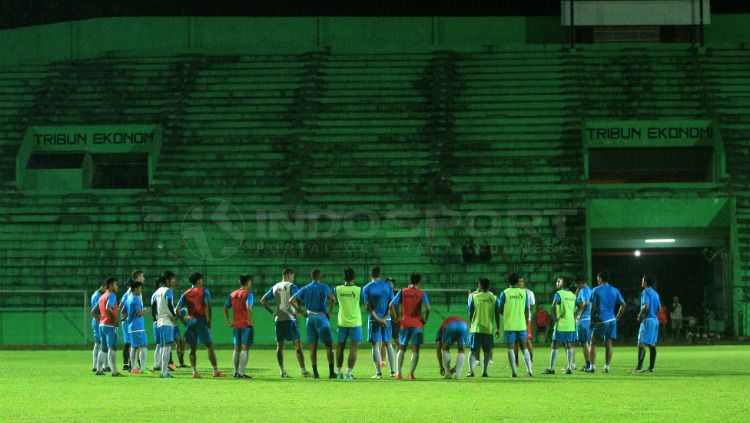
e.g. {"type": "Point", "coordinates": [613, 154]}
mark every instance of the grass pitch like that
{"type": "Point", "coordinates": [706, 383]}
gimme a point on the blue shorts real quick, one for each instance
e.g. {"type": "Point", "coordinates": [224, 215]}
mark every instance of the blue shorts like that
{"type": "Point", "coordinates": [648, 334]}
{"type": "Point", "coordinates": [176, 332]}
{"type": "Point", "coordinates": [583, 331]}
{"type": "Point", "coordinates": [318, 329]}
{"type": "Point", "coordinates": [197, 331]}
{"type": "Point", "coordinates": [395, 330]}
{"type": "Point", "coordinates": [157, 337]}
{"type": "Point", "coordinates": [286, 330]}
{"type": "Point", "coordinates": [454, 332]}
{"type": "Point", "coordinates": [95, 330]}
{"type": "Point", "coordinates": [485, 341]}
{"type": "Point", "coordinates": [109, 337]}
{"type": "Point", "coordinates": [138, 339]}
{"type": "Point", "coordinates": [377, 333]}
{"type": "Point", "coordinates": [243, 336]}
{"type": "Point", "coordinates": [125, 333]}
{"type": "Point", "coordinates": [606, 330]}
{"type": "Point", "coordinates": [165, 335]}
{"type": "Point", "coordinates": [564, 337]}
{"type": "Point", "coordinates": [345, 335]}
{"type": "Point", "coordinates": [415, 336]}
{"type": "Point", "coordinates": [513, 336]}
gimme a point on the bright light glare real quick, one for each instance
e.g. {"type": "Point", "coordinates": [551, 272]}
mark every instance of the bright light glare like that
{"type": "Point", "coordinates": [660, 241]}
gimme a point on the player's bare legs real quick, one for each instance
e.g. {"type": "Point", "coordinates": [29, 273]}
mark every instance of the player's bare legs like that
{"type": "Point", "coordinates": [314, 359]}
{"type": "Point", "coordinates": [193, 361]}
{"type": "Point", "coordinates": [340, 355]}
{"type": "Point", "coordinates": [352, 357]}
{"type": "Point", "coordinates": [212, 360]}
{"type": "Point", "coordinates": [280, 358]}
{"type": "Point", "coordinates": [329, 356]}
{"type": "Point", "coordinates": [376, 359]}
{"type": "Point", "coordinates": [592, 355]}
{"type": "Point", "coordinates": [608, 346]}
{"type": "Point", "coordinates": [391, 356]}
{"type": "Point", "coordinates": [414, 360]}
{"type": "Point", "coordinates": [300, 357]}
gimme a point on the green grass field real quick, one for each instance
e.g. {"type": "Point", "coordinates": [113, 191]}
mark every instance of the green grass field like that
{"type": "Point", "coordinates": [691, 384]}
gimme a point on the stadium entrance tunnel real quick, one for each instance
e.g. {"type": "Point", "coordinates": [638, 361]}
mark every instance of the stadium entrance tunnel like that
{"type": "Point", "coordinates": [687, 245]}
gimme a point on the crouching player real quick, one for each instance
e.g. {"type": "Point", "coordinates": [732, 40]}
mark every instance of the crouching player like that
{"type": "Point", "coordinates": [136, 328]}
{"type": "Point", "coordinates": [454, 330]}
{"type": "Point", "coordinates": [241, 303]}
{"type": "Point", "coordinates": [563, 308]}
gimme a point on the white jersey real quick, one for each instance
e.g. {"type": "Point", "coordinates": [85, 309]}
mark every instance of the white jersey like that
{"type": "Point", "coordinates": [532, 300]}
{"type": "Point", "coordinates": [282, 293]}
{"type": "Point", "coordinates": [161, 297]}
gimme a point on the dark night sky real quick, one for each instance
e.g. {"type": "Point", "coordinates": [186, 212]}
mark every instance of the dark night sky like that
{"type": "Point", "coordinates": [16, 13]}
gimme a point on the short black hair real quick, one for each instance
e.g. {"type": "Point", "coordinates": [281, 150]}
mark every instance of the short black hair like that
{"type": "Point", "coordinates": [111, 280]}
{"type": "Point", "coordinates": [484, 283]}
{"type": "Point", "coordinates": [580, 279]}
{"type": "Point", "coordinates": [649, 279]}
{"type": "Point", "coordinates": [245, 278]}
{"type": "Point", "coordinates": [375, 272]}
{"type": "Point", "coordinates": [168, 275]}
{"type": "Point", "coordinates": [316, 274]}
{"type": "Point", "coordinates": [603, 275]}
{"type": "Point", "coordinates": [159, 282]}
{"type": "Point", "coordinates": [415, 278]}
{"type": "Point", "coordinates": [195, 277]}
{"type": "Point", "coordinates": [348, 274]}
{"type": "Point", "coordinates": [136, 274]}
{"type": "Point", "coordinates": [136, 284]}
{"type": "Point", "coordinates": [565, 281]}
{"type": "Point", "coordinates": [287, 271]}
{"type": "Point", "coordinates": [513, 278]}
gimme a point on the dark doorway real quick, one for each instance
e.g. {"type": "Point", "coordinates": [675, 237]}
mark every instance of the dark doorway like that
{"type": "Point", "coordinates": [681, 272]}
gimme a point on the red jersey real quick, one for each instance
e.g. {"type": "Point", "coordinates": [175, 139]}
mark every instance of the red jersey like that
{"type": "Point", "coordinates": [411, 300]}
{"type": "Point", "coordinates": [111, 299]}
{"type": "Point", "coordinates": [450, 320]}
{"type": "Point", "coordinates": [239, 301]}
{"type": "Point", "coordinates": [195, 300]}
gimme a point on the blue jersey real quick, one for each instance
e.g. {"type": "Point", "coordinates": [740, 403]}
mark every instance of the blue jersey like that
{"type": "Point", "coordinates": [650, 297]}
{"type": "Point", "coordinates": [135, 322]}
{"type": "Point", "coordinates": [95, 298]}
{"type": "Point", "coordinates": [379, 295]}
{"type": "Point", "coordinates": [584, 295]}
{"type": "Point", "coordinates": [606, 297]}
{"type": "Point", "coordinates": [124, 303]}
{"type": "Point", "coordinates": [315, 295]}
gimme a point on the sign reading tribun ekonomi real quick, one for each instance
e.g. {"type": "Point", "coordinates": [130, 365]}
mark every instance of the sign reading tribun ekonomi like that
{"type": "Point", "coordinates": [649, 133]}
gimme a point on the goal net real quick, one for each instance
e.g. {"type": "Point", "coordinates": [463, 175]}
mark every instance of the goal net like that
{"type": "Point", "coordinates": [45, 317]}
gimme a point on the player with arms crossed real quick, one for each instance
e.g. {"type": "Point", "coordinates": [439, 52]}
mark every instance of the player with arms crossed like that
{"type": "Point", "coordinates": [378, 295]}
{"type": "Point", "coordinates": [513, 304]}
{"type": "Point", "coordinates": [285, 319]}
{"type": "Point", "coordinates": [94, 304]}
{"type": "Point", "coordinates": [483, 313]}
{"type": "Point", "coordinates": [197, 300]}
{"type": "Point", "coordinates": [136, 328]}
{"type": "Point", "coordinates": [162, 308]}
{"type": "Point", "coordinates": [106, 311]}
{"type": "Point", "coordinates": [411, 300]}
{"type": "Point", "coordinates": [241, 303]}
{"type": "Point", "coordinates": [349, 329]}
{"type": "Point", "coordinates": [604, 298]}
{"type": "Point", "coordinates": [583, 318]}
{"type": "Point", "coordinates": [648, 333]}
{"type": "Point", "coordinates": [454, 330]}
{"type": "Point", "coordinates": [563, 308]}
{"type": "Point", "coordinates": [318, 299]}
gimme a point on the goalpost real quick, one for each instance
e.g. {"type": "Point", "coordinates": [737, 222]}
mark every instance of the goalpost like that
{"type": "Point", "coordinates": [44, 317]}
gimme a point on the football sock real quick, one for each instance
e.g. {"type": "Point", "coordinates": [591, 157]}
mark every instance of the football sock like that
{"type": "Point", "coordinates": [391, 357]}
{"type": "Point", "coordinates": [472, 363]}
{"type": "Point", "coordinates": [143, 358]}
{"type": "Point", "coordinates": [651, 357]}
{"type": "Point", "coordinates": [376, 358]}
{"type": "Point", "coordinates": [414, 362]}
{"type": "Point", "coordinates": [101, 361]}
{"type": "Point", "coordinates": [181, 357]}
{"type": "Point", "coordinates": [641, 357]}
{"type": "Point", "coordinates": [243, 362]}
{"type": "Point", "coordinates": [400, 359]}
{"type": "Point", "coordinates": [485, 363]}
{"type": "Point", "coordinates": [157, 357]}
{"type": "Point", "coordinates": [95, 354]}
{"type": "Point", "coordinates": [552, 359]}
{"type": "Point", "coordinates": [165, 351]}
{"type": "Point", "coordinates": [512, 360]}
{"type": "Point", "coordinates": [126, 354]}
{"type": "Point", "coordinates": [527, 360]}
{"type": "Point", "coordinates": [447, 362]}
{"type": "Point", "coordinates": [571, 358]}
{"type": "Point", "coordinates": [460, 360]}
{"type": "Point", "coordinates": [236, 361]}
{"type": "Point", "coordinates": [132, 358]}
{"type": "Point", "coordinates": [113, 361]}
